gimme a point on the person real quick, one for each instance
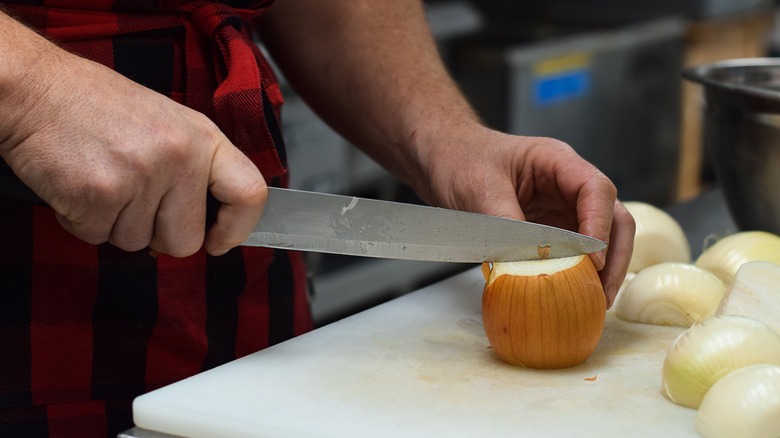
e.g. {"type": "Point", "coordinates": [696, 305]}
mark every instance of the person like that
{"type": "Point", "coordinates": [123, 115]}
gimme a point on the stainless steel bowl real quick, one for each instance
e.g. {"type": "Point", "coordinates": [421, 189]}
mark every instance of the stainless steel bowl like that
{"type": "Point", "coordinates": [742, 136]}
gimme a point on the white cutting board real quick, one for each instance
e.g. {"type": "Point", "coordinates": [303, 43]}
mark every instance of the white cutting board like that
{"type": "Point", "coordinates": [421, 365]}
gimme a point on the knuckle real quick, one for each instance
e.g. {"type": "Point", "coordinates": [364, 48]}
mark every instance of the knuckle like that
{"type": "Point", "coordinates": [255, 193]}
{"type": "Point", "coordinates": [129, 243]}
{"type": "Point", "coordinates": [91, 234]}
{"type": "Point", "coordinates": [179, 245]}
{"type": "Point", "coordinates": [184, 249]}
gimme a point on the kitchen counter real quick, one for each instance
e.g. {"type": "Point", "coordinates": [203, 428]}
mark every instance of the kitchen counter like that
{"type": "Point", "coordinates": [420, 365]}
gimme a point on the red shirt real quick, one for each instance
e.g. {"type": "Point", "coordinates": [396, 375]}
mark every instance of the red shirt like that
{"type": "Point", "coordinates": [84, 329]}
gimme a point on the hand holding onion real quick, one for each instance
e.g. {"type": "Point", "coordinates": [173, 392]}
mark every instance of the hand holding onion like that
{"type": "Point", "coordinates": [473, 168]}
{"type": "Point", "coordinates": [542, 180]}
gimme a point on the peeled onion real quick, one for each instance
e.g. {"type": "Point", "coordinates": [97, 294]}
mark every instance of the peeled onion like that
{"type": "Point", "coordinates": [672, 294]}
{"type": "Point", "coordinates": [543, 314]}
{"type": "Point", "coordinates": [729, 253]}
{"type": "Point", "coordinates": [658, 238]}
{"type": "Point", "coordinates": [754, 292]}
{"type": "Point", "coordinates": [744, 403]}
{"type": "Point", "coordinates": [706, 352]}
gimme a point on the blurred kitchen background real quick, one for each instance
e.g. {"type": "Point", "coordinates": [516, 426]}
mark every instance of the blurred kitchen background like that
{"type": "Point", "coordinates": [601, 75]}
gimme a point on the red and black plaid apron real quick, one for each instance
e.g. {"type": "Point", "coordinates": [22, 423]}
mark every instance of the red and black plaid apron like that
{"type": "Point", "coordinates": [84, 329]}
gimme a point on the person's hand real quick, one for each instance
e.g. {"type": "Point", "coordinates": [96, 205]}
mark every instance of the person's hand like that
{"type": "Point", "coordinates": [536, 179]}
{"type": "Point", "coordinates": [120, 163]}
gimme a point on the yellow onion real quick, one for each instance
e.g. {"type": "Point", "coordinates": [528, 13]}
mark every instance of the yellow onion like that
{"type": "Point", "coordinates": [543, 314]}
{"type": "Point", "coordinates": [659, 237]}
{"type": "Point", "coordinates": [729, 253]}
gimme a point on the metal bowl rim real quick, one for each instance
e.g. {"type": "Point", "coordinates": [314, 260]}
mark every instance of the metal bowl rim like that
{"type": "Point", "coordinates": [700, 74]}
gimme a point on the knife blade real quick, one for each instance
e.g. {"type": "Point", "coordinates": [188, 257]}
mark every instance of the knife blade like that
{"type": "Point", "coordinates": [318, 222]}
{"type": "Point", "coordinates": [327, 223]}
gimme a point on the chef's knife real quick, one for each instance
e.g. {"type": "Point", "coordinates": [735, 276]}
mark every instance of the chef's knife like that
{"type": "Point", "coordinates": [319, 222]}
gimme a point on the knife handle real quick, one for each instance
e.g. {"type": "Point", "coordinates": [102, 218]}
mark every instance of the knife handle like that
{"type": "Point", "coordinates": [12, 186]}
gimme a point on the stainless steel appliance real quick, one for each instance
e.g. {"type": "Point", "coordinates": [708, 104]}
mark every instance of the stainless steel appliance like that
{"type": "Point", "coordinates": [612, 93]}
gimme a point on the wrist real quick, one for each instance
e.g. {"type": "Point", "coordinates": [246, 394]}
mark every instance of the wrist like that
{"type": "Point", "coordinates": [437, 142]}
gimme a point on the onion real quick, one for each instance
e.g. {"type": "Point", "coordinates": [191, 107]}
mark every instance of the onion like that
{"type": "Point", "coordinates": [744, 403]}
{"type": "Point", "coordinates": [726, 256]}
{"type": "Point", "coordinates": [544, 313]}
{"type": "Point", "coordinates": [673, 294]}
{"type": "Point", "coordinates": [708, 351]}
{"type": "Point", "coordinates": [658, 238]}
{"type": "Point", "coordinates": [755, 292]}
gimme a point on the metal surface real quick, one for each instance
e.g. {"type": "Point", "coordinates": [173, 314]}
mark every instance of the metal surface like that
{"type": "Point", "coordinates": [742, 137]}
{"type": "Point", "coordinates": [335, 224]}
{"type": "Point", "coordinates": [612, 94]}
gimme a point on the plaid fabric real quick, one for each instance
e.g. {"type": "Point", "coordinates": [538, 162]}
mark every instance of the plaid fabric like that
{"type": "Point", "coordinates": [84, 329]}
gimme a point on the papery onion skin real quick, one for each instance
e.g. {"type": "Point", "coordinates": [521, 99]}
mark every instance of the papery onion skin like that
{"type": "Point", "coordinates": [658, 238]}
{"type": "Point", "coordinates": [744, 403]}
{"type": "Point", "coordinates": [545, 321]}
{"type": "Point", "coordinates": [670, 294]}
{"type": "Point", "coordinates": [708, 351]}
{"type": "Point", "coordinates": [729, 253]}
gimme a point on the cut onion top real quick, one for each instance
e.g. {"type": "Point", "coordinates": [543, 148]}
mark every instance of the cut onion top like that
{"type": "Point", "coordinates": [755, 292]}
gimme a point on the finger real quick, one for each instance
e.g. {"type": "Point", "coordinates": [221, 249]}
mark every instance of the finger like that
{"type": "Point", "coordinates": [180, 222]}
{"type": "Point", "coordinates": [618, 253]}
{"type": "Point", "coordinates": [240, 188]}
{"type": "Point", "coordinates": [500, 202]}
{"type": "Point", "coordinates": [134, 226]}
{"type": "Point", "coordinates": [94, 228]}
{"type": "Point", "coordinates": [595, 211]}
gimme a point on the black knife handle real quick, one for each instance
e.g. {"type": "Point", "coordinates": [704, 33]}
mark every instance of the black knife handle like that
{"type": "Point", "coordinates": [12, 186]}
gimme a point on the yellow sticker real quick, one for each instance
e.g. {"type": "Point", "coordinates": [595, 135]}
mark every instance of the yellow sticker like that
{"type": "Point", "coordinates": [561, 64]}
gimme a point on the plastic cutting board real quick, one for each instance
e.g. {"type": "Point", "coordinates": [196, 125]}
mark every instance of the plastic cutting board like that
{"type": "Point", "coordinates": [421, 366]}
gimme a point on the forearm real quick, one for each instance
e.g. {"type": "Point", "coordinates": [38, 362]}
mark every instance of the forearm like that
{"type": "Point", "coordinates": [371, 69]}
{"type": "Point", "coordinates": [22, 52]}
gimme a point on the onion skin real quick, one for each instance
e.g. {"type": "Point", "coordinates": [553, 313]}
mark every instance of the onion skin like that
{"type": "Point", "coordinates": [544, 321]}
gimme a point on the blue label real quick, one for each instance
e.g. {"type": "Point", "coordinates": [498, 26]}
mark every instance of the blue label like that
{"type": "Point", "coordinates": [561, 87]}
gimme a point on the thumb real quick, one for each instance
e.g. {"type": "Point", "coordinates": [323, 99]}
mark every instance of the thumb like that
{"type": "Point", "coordinates": [241, 192]}
{"type": "Point", "coordinates": [501, 203]}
